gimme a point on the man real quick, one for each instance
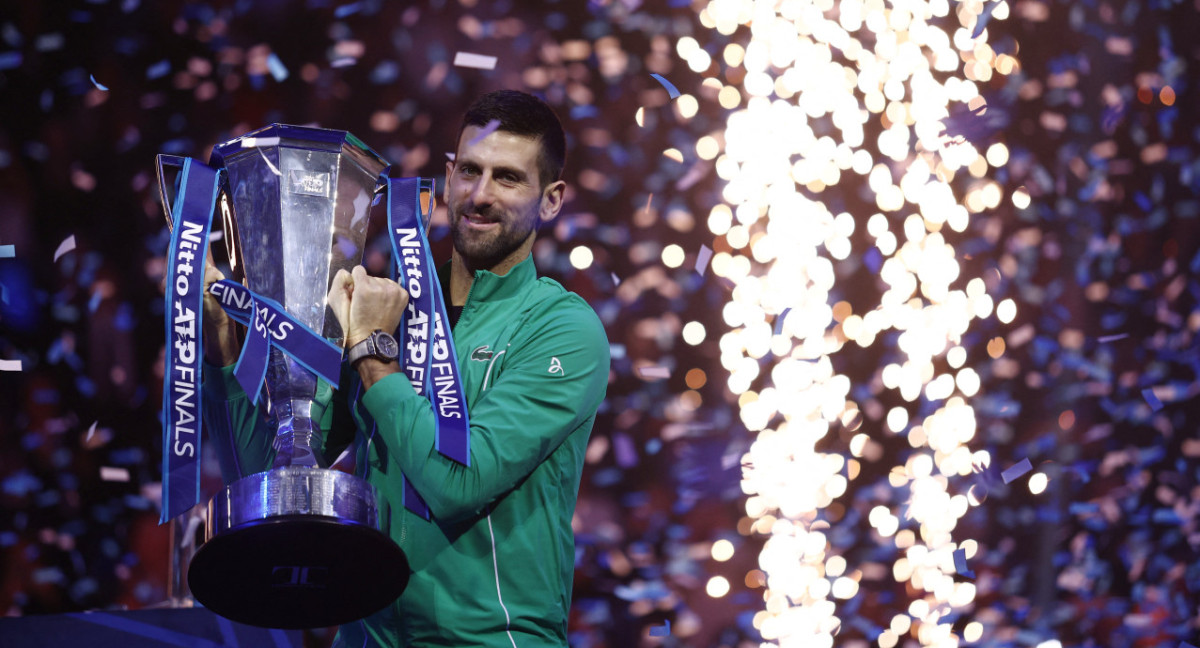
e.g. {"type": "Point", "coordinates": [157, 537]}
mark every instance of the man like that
{"type": "Point", "coordinates": [494, 564]}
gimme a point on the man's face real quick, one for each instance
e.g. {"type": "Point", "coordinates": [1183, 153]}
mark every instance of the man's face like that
{"type": "Point", "coordinates": [495, 199]}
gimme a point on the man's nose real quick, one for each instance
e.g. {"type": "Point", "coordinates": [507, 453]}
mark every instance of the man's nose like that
{"type": "Point", "coordinates": [484, 191]}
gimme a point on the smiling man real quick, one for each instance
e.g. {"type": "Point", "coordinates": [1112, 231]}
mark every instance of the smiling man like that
{"type": "Point", "coordinates": [493, 564]}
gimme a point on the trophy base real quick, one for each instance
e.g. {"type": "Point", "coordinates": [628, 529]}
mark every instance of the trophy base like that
{"type": "Point", "coordinates": [296, 547]}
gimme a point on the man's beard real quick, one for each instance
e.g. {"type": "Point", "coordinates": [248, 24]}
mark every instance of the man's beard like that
{"type": "Point", "coordinates": [485, 251]}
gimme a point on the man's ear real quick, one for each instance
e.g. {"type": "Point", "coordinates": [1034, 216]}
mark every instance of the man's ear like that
{"type": "Point", "coordinates": [446, 186]}
{"type": "Point", "coordinates": [552, 201]}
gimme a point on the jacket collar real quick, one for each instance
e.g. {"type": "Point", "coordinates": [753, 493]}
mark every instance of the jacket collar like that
{"type": "Point", "coordinates": [489, 286]}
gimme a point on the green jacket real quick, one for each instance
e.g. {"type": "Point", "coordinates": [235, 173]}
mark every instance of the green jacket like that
{"type": "Point", "coordinates": [494, 566]}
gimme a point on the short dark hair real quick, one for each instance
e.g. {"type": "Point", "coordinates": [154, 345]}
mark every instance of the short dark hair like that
{"type": "Point", "coordinates": [523, 114]}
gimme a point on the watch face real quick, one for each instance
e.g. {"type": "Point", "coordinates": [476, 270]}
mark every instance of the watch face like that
{"type": "Point", "coordinates": [386, 345]}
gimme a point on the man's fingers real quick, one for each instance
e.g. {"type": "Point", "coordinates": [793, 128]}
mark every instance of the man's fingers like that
{"type": "Point", "coordinates": [343, 283]}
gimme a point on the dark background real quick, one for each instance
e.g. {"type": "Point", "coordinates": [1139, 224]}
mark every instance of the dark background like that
{"type": "Point", "coordinates": [1103, 266]}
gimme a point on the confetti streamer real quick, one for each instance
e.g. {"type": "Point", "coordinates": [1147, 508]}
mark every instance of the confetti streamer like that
{"type": "Point", "coordinates": [1112, 338]}
{"type": "Point", "coordinates": [99, 86]}
{"type": "Point", "coordinates": [670, 87]}
{"type": "Point", "coordinates": [477, 61]}
{"type": "Point", "coordinates": [67, 245]}
{"type": "Point", "coordinates": [703, 258]}
{"type": "Point", "coordinates": [91, 432]}
{"type": "Point", "coordinates": [1015, 471]}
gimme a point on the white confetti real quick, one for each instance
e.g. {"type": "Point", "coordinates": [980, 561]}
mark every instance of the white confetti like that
{"type": "Point", "coordinates": [67, 245]}
{"type": "Point", "coordinates": [477, 61]}
{"type": "Point", "coordinates": [654, 372]}
{"type": "Point", "coordinates": [112, 474]}
{"type": "Point", "coordinates": [10, 365]}
{"type": "Point", "coordinates": [189, 534]}
{"type": "Point", "coordinates": [272, 166]}
{"type": "Point", "coordinates": [703, 258]}
{"type": "Point", "coordinates": [255, 142]}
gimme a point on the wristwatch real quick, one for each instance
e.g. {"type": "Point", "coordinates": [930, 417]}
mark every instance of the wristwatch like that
{"type": "Point", "coordinates": [379, 345]}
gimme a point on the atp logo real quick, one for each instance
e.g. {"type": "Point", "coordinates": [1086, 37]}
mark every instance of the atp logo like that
{"type": "Point", "coordinates": [556, 367]}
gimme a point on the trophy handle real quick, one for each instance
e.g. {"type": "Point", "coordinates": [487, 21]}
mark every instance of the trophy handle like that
{"type": "Point", "coordinates": [168, 188]}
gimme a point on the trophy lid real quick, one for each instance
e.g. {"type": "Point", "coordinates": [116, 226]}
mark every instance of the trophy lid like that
{"type": "Point", "coordinates": [301, 137]}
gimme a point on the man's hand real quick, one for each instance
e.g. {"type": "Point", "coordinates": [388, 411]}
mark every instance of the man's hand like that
{"type": "Point", "coordinates": [363, 303]}
{"type": "Point", "coordinates": [220, 331]}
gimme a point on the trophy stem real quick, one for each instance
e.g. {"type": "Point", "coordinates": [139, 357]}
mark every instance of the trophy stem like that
{"type": "Point", "coordinates": [298, 442]}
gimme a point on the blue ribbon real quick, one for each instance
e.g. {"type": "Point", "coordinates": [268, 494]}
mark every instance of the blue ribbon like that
{"type": "Point", "coordinates": [269, 325]}
{"type": "Point", "coordinates": [191, 218]}
{"type": "Point", "coordinates": [428, 355]}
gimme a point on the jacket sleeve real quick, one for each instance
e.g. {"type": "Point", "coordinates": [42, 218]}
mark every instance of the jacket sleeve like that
{"type": "Point", "coordinates": [236, 427]}
{"type": "Point", "coordinates": [553, 379]}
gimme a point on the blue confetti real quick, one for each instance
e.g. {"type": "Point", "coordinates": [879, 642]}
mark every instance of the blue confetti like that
{"type": "Point", "coordinates": [487, 129]}
{"type": "Point", "coordinates": [661, 631]}
{"type": "Point", "coordinates": [347, 10]}
{"type": "Point", "coordinates": [278, 70]}
{"type": "Point", "coordinates": [99, 86]}
{"type": "Point", "coordinates": [671, 89]}
{"type": "Point", "coordinates": [778, 329]}
{"type": "Point", "coordinates": [7, 251]}
{"type": "Point", "coordinates": [10, 60]}
{"type": "Point", "coordinates": [960, 563]}
{"type": "Point", "coordinates": [158, 70]}
{"type": "Point", "coordinates": [1152, 399]}
{"type": "Point", "coordinates": [1015, 471]}
{"type": "Point", "coordinates": [984, 17]}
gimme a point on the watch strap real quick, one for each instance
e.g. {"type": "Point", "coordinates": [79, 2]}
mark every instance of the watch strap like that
{"type": "Point", "coordinates": [361, 350]}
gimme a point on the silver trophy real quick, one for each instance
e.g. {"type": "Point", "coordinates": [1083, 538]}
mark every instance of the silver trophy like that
{"type": "Point", "coordinates": [297, 546]}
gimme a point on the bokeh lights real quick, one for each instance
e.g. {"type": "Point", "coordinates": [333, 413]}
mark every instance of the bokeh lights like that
{"type": "Point", "coordinates": [815, 75]}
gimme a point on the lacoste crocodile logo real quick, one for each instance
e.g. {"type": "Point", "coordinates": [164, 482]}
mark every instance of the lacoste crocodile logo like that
{"type": "Point", "coordinates": [481, 354]}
